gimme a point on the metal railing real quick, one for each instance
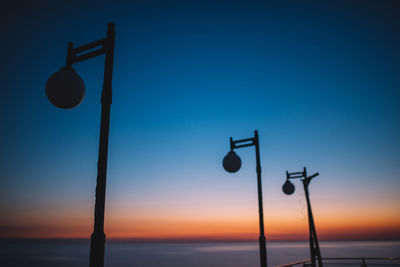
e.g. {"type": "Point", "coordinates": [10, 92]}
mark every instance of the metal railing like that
{"type": "Point", "coordinates": [362, 262]}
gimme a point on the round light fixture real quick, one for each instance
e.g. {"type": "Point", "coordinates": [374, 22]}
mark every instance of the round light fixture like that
{"type": "Point", "coordinates": [232, 162]}
{"type": "Point", "coordinates": [65, 88]}
{"type": "Point", "coordinates": [288, 188]}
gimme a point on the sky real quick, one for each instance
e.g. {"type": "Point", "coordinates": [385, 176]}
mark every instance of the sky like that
{"type": "Point", "coordinates": [319, 81]}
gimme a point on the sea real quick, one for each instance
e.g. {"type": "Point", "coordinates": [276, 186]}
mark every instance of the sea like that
{"type": "Point", "coordinates": [75, 253]}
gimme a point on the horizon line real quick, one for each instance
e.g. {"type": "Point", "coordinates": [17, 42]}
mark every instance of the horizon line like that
{"type": "Point", "coordinates": [191, 240]}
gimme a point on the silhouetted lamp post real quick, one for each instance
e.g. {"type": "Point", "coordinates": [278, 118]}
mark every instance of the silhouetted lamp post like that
{"type": "Point", "coordinates": [65, 89]}
{"type": "Point", "coordinates": [288, 189]}
{"type": "Point", "coordinates": [232, 163]}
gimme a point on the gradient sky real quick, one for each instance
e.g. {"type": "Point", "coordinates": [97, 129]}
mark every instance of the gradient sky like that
{"type": "Point", "coordinates": [319, 81]}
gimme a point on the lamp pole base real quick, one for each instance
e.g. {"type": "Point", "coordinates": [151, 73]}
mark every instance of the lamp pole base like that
{"type": "Point", "coordinates": [97, 246]}
{"type": "Point", "coordinates": [263, 250]}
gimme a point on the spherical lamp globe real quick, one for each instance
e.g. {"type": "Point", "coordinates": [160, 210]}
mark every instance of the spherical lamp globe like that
{"type": "Point", "coordinates": [232, 162]}
{"type": "Point", "coordinates": [288, 188]}
{"type": "Point", "coordinates": [65, 88]}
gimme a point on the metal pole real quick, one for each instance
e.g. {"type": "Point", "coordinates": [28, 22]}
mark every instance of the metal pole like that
{"type": "Point", "coordinates": [262, 241]}
{"type": "Point", "coordinates": [97, 241]}
{"type": "Point", "coordinates": [310, 221]}
{"type": "Point", "coordinates": [314, 245]}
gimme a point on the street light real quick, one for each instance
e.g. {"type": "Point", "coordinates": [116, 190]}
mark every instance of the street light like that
{"type": "Point", "coordinates": [232, 163]}
{"type": "Point", "coordinates": [288, 189]}
{"type": "Point", "coordinates": [65, 89]}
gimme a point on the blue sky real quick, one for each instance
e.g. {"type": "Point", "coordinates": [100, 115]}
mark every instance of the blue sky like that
{"type": "Point", "coordinates": [320, 81]}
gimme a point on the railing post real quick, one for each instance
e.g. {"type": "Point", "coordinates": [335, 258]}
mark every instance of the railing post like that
{"type": "Point", "coordinates": [363, 264]}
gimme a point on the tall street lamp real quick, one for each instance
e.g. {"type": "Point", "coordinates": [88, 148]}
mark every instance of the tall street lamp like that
{"type": "Point", "coordinates": [65, 89]}
{"type": "Point", "coordinates": [288, 189]}
{"type": "Point", "coordinates": [232, 163]}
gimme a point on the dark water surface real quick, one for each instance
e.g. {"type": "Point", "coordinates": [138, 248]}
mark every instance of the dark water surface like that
{"type": "Point", "coordinates": [62, 253]}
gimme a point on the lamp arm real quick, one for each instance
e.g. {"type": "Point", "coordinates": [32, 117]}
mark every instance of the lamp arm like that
{"type": "Point", "coordinates": [73, 53]}
{"type": "Point", "coordinates": [88, 46]}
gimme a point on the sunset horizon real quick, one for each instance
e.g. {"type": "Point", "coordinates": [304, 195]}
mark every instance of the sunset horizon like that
{"type": "Point", "coordinates": [154, 121]}
{"type": "Point", "coordinates": [217, 231]}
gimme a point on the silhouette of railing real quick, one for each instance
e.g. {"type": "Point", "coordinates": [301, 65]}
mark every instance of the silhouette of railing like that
{"type": "Point", "coordinates": [349, 261]}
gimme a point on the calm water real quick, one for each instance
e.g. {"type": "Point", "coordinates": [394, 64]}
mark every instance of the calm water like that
{"type": "Point", "coordinates": [62, 253]}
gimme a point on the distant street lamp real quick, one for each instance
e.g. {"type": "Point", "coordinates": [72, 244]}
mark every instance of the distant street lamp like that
{"type": "Point", "coordinates": [65, 89]}
{"type": "Point", "coordinates": [288, 189]}
{"type": "Point", "coordinates": [232, 163]}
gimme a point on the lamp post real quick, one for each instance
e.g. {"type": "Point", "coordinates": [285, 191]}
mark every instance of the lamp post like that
{"type": "Point", "coordinates": [288, 188]}
{"type": "Point", "coordinates": [232, 163]}
{"type": "Point", "coordinates": [65, 89]}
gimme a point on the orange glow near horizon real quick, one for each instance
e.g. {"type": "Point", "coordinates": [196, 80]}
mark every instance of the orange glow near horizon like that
{"type": "Point", "coordinates": [184, 217]}
{"type": "Point", "coordinates": [224, 228]}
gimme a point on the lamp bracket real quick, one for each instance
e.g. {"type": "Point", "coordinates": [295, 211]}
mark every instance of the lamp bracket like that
{"type": "Point", "coordinates": [75, 55]}
{"type": "Point", "coordinates": [298, 175]}
{"type": "Point", "coordinates": [242, 143]}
